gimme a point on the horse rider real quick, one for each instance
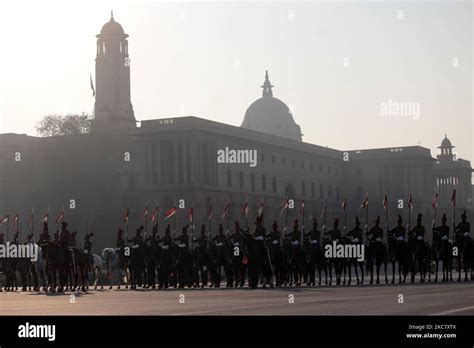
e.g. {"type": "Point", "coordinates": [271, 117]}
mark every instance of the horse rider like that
{"type": "Point", "coordinates": [238, 268]}
{"type": "Point", "coordinates": [88, 247]}
{"type": "Point", "coordinates": [463, 228]}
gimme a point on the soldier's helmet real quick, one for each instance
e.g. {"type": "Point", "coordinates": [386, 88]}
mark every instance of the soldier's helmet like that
{"type": "Point", "coordinates": [443, 219]}
{"type": "Point", "coordinates": [315, 223]}
{"type": "Point", "coordinates": [119, 232]}
{"type": "Point", "coordinates": [357, 222]}
{"type": "Point", "coordinates": [418, 219]}
{"type": "Point", "coordinates": [377, 220]}
{"type": "Point", "coordinates": [336, 222]}
{"type": "Point", "coordinates": [17, 234]}
{"type": "Point", "coordinates": [155, 229]}
{"type": "Point", "coordinates": [221, 229]}
{"type": "Point", "coordinates": [296, 224]}
{"type": "Point", "coordinates": [64, 224]}
{"type": "Point", "coordinates": [203, 228]}
{"type": "Point", "coordinates": [275, 225]}
{"type": "Point", "coordinates": [399, 220]}
{"type": "Point", "coordinates": [463, 216]}
{"type": "Point", "coordinates": [29, 237]}
{"type": "Point", "coordinates": [185, 229]}
{"type": "Point", "coordinates": [45, 226]}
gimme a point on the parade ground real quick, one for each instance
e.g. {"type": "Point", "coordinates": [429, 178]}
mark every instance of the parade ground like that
{"type": "Point", "coordinates": [418, 299]}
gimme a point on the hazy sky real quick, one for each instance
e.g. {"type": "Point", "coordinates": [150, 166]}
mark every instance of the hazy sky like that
{"type": "Point", "coordinates": [208, 59]}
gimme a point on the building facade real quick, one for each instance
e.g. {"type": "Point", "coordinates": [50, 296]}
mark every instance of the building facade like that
{"type": "Point", "coordinates": [123, 164]}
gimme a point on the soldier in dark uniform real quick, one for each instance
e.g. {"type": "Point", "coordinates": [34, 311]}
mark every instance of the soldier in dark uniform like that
{"type": "Point", "coordinates": [335, 236]}
{"type": "Point", "coordinates": [29, 239]}
{"type": "Point", "coordinates": [312, 239]}
{"type": "Point", "coordinates": [356, 237]}
{"type": "Point", "coordinates": [44, 239]}
{"type": "Point", "coordinates": [441, 248]}
{"type": "Point", "coordinates": [202, 258]}
{"type": "Point", "coordinates": [417, 236]}
{"type": "Point", "coordinates": [88, 247]}
{"type": "Point", "coordinates": [298, 259]}
{"type": "Point", "coordinates": [64, 241]}
{"type": "Point", "coordinates": [16, 238]}
{"type": "Point", "coordinates": [375, 250]}
{"type": "Point", "coordinates": [56, 237]}
{"type": "Point", "coordinates": [221, 244]}
{"type": "Point", "coordinates": [72, 240]}
{"type": "Point", "coordinates": [464, 244]}
{"type": "Point", "coordinates": [183, 238]}
{"type": "Point", "coordinates": [154, 238]}
{"type": "Point", "coordinates": [238, 268]}
{"type": "Point", "coordinates": [397, 245]}
{"type": "Point", "coordinates": [120, 247]}
{"type": "Point", "coordinates": [137, 239]}
{"type": "Point", "coordinates": [165, 266]}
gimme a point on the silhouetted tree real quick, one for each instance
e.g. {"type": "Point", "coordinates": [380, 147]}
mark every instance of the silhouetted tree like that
{"type": "Point", "coordinates": [53, 125]}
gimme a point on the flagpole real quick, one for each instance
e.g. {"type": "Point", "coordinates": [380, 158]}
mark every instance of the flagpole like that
{"type": "Point", "coordinates": [8, 225]}
{"type": "Point", "coordinates": [146, 219]}
{"type": "Point", "coordinates": [302, 229]}
{"type": "Point", "coordinates": [386, 212]}
{"type": "Point", "coordinates": [454, 209]}
{"type": "Point", "coordinates": [32, 221]}
{"type": "Point", "coordinates": [228, 215]}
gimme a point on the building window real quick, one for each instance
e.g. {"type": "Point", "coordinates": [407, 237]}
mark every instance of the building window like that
{"type": "Point", "coordinates": [303, 188]}
{"type": "Point", "coordinates": [264, 183]}
{"type": "Point", "coordinates": [312, 189]}
{"type": "Point", "coordinates": [229, 178]}
{"type": "Point", "coordinates": [241, 180]}
{"type": "Point", "coordinates": [274, 184]}
{"type": "Point", "coordinates": [252, 182]}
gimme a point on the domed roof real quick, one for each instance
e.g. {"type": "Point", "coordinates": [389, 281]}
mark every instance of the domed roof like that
{"type": "Point", "coordinates": [446, 143]}
{"type": "Point", "coordinates": [112, 28]}
{"type": "Point", "coordinates": [271, 115]}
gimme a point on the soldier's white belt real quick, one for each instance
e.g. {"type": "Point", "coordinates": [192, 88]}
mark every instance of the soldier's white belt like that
{"type": "Point", "coordinates": [182, 245]}
{"type": "Point", "coordinates": [86, 251]}
{"type": "Point", "coordinates": [165, 247]}
{"type": "Point", "coordinates": [259, 238]}
{"type": "Point", "coordinates": [419, 238]}
{"type": "Point", "coordinates": [400, 238]}
{"type": "Point", "coordinates": [135, 246]}
{"type": "Point", "coordinates": [355, 240]}
{"type": "Point", "coordinates": [219, 244]}
{"type": "Point", "coordinates": [466, 234]}
{"type": "Point", "coordinates": [314, 241]}
{"type": "Point", "coordinates": [296, 242]}
{"type": "Point", "coordinates": [336, 240]}
{"type": "Point", "coordinates": [236, 244]}
{"type": "Point", "coordinates": [444, 238]}
{"type": "Point", "coordinates": [378, 239]}
{"type": "Point", "coordinates": [275, 242]}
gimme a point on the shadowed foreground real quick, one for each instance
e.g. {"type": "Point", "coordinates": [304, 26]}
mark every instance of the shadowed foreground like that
{"type": "Point", "coordinates": [419, 299]}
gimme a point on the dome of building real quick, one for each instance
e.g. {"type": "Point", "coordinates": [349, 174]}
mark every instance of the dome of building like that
{"type": "Point", "coordinates": [112, 28]}
{"type": "Point", "coordinates": [270, 115]}
{"type": "Point", "coordinates": [446, 143]}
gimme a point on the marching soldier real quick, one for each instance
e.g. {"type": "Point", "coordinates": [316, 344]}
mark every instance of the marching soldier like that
{"type": "Point", "coordinates": [44, 239]}
{"type": "Point", "coordinates": [443, 230]}
{"type": "Point", "coordinates": [335, 236]}
{"type": "Point", "coordinates": [295, 235]}
{"type": "Point", "coordinates": [298, 258]}
{"type": "Point", "coordinates": [375, 249]}
{"type": "Point", "coordinates": [165, 267]}
{"type": "Point", "coordinates": [441, 248]}
{"type": "Point", "coordinates": [183, 238]}
{"type": "Point", "coordinates": [418, 232]}
{"type": "Point", "coordinates": [238, 268]}
{"type": "Point", "coordinates": [64, 237]}
{"type": "Point", "coordinates": [375, 234]}
{"type": "Point", "coordinates": [137, 239]}
{"type": "Point", "coordinates": [417, 235]}
{"type": "Point", "coordinates": [314, 235]}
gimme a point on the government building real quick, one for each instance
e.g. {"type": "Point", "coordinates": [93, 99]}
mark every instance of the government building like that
{"type": "Point", "coordinates": [122, 163]}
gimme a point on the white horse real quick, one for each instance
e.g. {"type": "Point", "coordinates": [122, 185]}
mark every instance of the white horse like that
{"type": "Point", "coordinates": [111, 261]}
{"type": "Point", "coordinates": [97, 270]}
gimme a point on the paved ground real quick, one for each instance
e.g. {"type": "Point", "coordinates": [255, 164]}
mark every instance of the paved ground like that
{"type": "Point", "coordinates": [419, 299]}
